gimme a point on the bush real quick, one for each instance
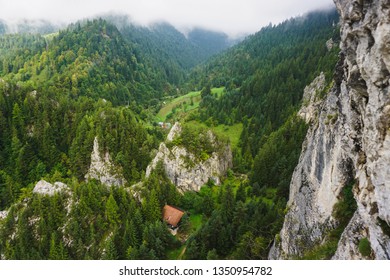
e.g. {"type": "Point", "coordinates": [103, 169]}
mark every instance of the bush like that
{"type": "Point", "coordinates": [346, 206]}
{"type": "Point", "coordinates": [384, 226]}
{"type": "Point", "coordinates": [365, 247]}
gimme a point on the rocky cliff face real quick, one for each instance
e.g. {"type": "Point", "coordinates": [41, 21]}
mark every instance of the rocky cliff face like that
{"type": "Point", "coordinates": [45, 188]}
{"type": "Point", "coordinates": [312, 99]}
{"type": "Point", "coordinates": [348, 142]}
{"type": "Point", "coordinates": [183, 176]}
{"type": "Point", "coordinates": [102, 169]}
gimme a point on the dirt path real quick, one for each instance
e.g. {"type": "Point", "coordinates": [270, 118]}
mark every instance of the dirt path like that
{"type": "Point", "coordinates": [182, 253]}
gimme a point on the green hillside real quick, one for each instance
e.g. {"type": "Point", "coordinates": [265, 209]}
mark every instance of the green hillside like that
{"type": "Point", "coordinates": [179, 106]}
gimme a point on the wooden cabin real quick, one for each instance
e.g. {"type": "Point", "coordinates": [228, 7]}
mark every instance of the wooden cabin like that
{"type": "Point", "coordinates": [172, 215]}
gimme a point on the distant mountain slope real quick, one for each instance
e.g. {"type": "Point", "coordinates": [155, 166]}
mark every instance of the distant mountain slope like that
{"type": "Point", "coordinates": [90, 58]}
{"type": "Point", "coordinates": [16, 50]}
{"type": "Point", "coordinates": [94, 58]}
{"type": "Point", "coordinates": [163, 39]}
{"type": "Point", "coordinates": [165, 48]}
{"type": "Point", "coordinates": [266, 73]}
{"type": "Point", "coordinates": [3, 27]}
{"type": "Point", "coordinates": [168, 48]}
{"type": "Point", "coordinates": [210, 42]}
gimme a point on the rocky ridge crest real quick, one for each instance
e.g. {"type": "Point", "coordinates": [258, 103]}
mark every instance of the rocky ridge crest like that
{"type": "Point", "coordinates": [45, 188]}
{"type": "Point", "coordinates": [186, 177]}
{"type": "Point", "coordinates": [102, 168]}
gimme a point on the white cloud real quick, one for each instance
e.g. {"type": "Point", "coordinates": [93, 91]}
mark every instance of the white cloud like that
{"type": "Point", "coordinates": [231, 16]}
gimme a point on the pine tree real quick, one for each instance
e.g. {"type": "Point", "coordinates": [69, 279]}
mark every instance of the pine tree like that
{"type": "Point", "coordinates": [112, 215]}
{"type": "Point", "coordinates": [54, 253]}
{"type": "Point", "coordinates": [228, 203]}
{"type": "Point", "coordinates": [152, 207]}
{"type": "Point", "coordinates": [208, 205]}
{"type": "Point", "coordinates": [110, 252]}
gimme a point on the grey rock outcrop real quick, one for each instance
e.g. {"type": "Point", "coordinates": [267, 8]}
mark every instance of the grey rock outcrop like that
{"type": "Point", "coordinates": [330, 44]}
{"type": "Point", "coordinates": [190, 178]}
{"type": "Point", "coordinates": [102, 168]}
{"type": "Point", "coordinates": [45, 188]}
{"type": "Point", "coordinates": [175, 130]}
{"type": "Point", "coordinates": [312, 99]}
{"type": "Point", "coordinates": [349, 142]}
{"type": "Point", "coordinates": [3, 214]}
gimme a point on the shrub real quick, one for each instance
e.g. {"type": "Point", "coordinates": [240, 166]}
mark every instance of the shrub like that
{"type": "Point", "coordinates": [346, 206]}
{"type": "Point", "coordinates": [365, 247]}
{"type": "Point", "coordinates": [384, 226]}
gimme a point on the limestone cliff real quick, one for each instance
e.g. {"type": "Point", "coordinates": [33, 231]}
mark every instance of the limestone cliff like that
{"type": "Point", "coordinates": [349, 141]}
{"type": "Point", "coordinates": [312, 99]}
{"type": "Point", "coordinates": [175, 161]}
{"type": "Point", "coordinates": [102, 168]}
{"type": "Point", "coordinates": [45, 188]}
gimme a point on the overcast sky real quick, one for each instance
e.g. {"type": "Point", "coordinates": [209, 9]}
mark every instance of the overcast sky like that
{"type": "Point", "coordinates": [231, 16]}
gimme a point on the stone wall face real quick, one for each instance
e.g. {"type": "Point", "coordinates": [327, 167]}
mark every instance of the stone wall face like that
{"type": "Point", "coordinates": [350, 141]}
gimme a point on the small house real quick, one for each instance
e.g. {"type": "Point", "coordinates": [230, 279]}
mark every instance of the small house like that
{"type": "Point", "coordinates": [172, 216]}
{"type": "Point", "coordinates": [164, 125]}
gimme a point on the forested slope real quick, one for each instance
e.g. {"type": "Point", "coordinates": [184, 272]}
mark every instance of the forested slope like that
{"type": "Point", "coordinates": [87, 59]}
{"type": "Point", "coordinates": [264, 77]}
{"type": "Point", "coordinates": [56, 96]}
{"type": "Point", "coordinates": [97, 80]}
{"type": "Point", "coordinates": [171, 53]}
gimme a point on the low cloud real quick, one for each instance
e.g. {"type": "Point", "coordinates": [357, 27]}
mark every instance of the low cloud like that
{"type": "Point", "coordinates": [231, 16]}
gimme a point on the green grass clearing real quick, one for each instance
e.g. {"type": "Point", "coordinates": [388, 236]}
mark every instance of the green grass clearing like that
{"type": "Point", "coordinates": [181, 103]}
{"type": "Point", "coordinates": [185, 103]}
{"type": "Point", "coordinates": [219, 92]}
{"type": "Point", "coordinates": [233, 132]}
{"type": "Point", "coordinates": [195, 224]}
{"type": "Point", "coordinates": [195, 221]}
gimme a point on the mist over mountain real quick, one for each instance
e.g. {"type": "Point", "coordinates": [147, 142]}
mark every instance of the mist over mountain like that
{"type": "Point", "coordinates": [197, 43]}
{"type": "Point", "coordinates": [40, 26]}
{"type": "Point", "coordinates": [3, 27]}
{"type": "Point", "coordinates": [231, 17]}
{"type": "Point", "coordinates": [213, 42]}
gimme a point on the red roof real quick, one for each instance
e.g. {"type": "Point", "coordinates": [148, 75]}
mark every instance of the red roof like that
{"type": "Point", "coordinates": [172, 215]}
